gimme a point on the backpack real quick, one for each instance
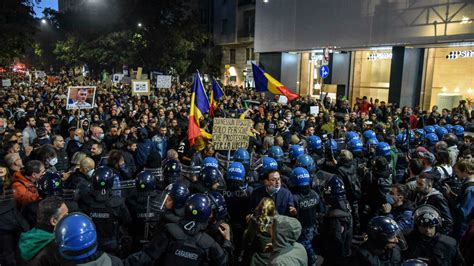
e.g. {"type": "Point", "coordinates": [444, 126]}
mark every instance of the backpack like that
{"type": "Point", "coordinates": [183, 249]}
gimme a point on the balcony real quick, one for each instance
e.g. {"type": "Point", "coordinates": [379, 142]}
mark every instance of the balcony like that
{"type": "Point", "coordinates": [245, 35]}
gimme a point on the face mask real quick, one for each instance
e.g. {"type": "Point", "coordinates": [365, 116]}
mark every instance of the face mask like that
{"type": "Point", "coordinates": [53, 161]}
{"type": "Point", "coordinates": [101, 136]}
{"type": "Point", "coordinates": [272, 190]}
{"type": "Point", "coordinates": [90, 173]}
{"type": "Point", "coordinates": [76, 138]}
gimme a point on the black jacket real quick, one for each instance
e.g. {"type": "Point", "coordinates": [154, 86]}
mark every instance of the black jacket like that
{"type": "Point", "coordinates": [441, 250]}
{"type": "Point", "coordinates": [348, 172]}
{"type": "Point", "coordinates": [63, 160]}
{"type": "Point", "coordinates": [11, 225]}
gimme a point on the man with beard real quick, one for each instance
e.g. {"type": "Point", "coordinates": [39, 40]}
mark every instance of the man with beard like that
{"type": "Point", "coordinates": [29, 133]}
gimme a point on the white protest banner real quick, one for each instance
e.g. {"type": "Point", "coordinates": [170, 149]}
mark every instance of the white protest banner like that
{"type": "Point", "coordinates": [230, 134]}
{"type": "Point", "coordinates": [6, 83]}
{"type": "Point", "coordinates": [314, 110]}
{"type": "Point", "coordinates": [163, 81]}
{"type": "Point", "coordinates": [141, 87]}
{"type": "Point", "coordinates": [81, 97]}
{"type": "Point", "coordinates": [40, 74]}
{"type": "Point", "coordinates": [283, 99]}
{"type": "Point", "coordinates": [117, 78]}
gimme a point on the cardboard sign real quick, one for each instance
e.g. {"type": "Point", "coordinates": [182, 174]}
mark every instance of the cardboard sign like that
{"type": "Point", "coordinates": [314, 110]}
{"type": "Point", "coordinates": [81, 97]}
{"type": "Point", "coordinates": [163, 81]}
{"type": "Point", "coordinates": [141, 87]}
{"type": "Point", "coordinates": [230, 134]}
{"type": "Point", "coordinates": [6, 83]}
{"type": "Point", "coordinates": [283, 99]}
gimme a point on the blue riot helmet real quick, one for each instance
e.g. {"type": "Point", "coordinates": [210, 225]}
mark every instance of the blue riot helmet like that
{"type": "Point", "coordinates": [268, 164]}
{"type": "Point", "coordinates": [295, 151]}
{"type": "Point", "coordinates": [401, 139]}
{"type": "Point", "coordinates": [145, 181]}
{"type": "Point", "coordinates": [103, 178]}
{"type": "Point", "coordinates": [431, 139]}
{"type": "Point", "coordinates": [242, 155]}
{"type": "Point", "coordinates": [198, 208]}
{"type": "Point", "coordinates": [449, 127]}
{"type": "Point", "coordinates": [210, 176]}
{"type": "Point", "coordinates": [355, 145]}
{"type": "Point", "coordinates": [383, 149]}
{"type": "Point", "coordinates": [420, 135]}
{"type": "Point", "coordinates": [276, 153]}
{"type": "Point", "coordinates": [334, 189]}
{"type": "Point", "coordinates": [436, 126]}
{"type": "Point", "coordinates": [210, 162]}
{"type": "Point", "coordinates": [351, 135]}
{"type": "Point", "coordinates": [236, 171]}
{"type": "Point", "coordinates": [306, 162]}
{"type": "Point", "coordinates": [176, 193]}
{"type": "Point", "coordinates": [171, 171]}
{"type": "Point", "coordinates": [382, 229]}
{"type": "Point", "coordinates": [429, 129]}
{"type": "Point", "coordinates": [441, 131]}
{"type": "Point", "coordinates": [458, 130]}
{"type": "Point", "coordinates": [219, 205]}
{"type": "Point", "coordinates": [76, 237]}
{"type": "Point", "coordinates": [369, 134]}
{"type": "Point", "coordinates": [300, 177]}
{"type": "Point", "coordinates": [372, 141]}
{"type": "Point", "coordinates": [50, 184]}
{"type": "Point", "coordinates": [331, 147]}
{"type": "Point", "coordinates": [314, 143]}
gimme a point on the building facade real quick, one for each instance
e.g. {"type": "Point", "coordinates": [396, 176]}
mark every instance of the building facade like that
{"type": "Point", "coordinates": [408, 52]}
{"type": "Point", "coordinates": [234, 31]}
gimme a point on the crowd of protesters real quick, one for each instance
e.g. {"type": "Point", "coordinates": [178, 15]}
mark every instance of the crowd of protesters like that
{"type": "Point", "coordinates": [370, 183]}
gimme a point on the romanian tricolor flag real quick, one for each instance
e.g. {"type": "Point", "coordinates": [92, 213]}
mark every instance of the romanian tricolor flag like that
{"type": "Point", "coordinates": [216, 94]}
{"type": "Point", "coordinates": [264, 82]}
{"type": "Point", "coordinates": [199, 106]}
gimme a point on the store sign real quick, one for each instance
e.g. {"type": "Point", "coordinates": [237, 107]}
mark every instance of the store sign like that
{"type": "Point", "coordinates": [460, 54]}
{"type": "Point", "coordinates": [379, 56]}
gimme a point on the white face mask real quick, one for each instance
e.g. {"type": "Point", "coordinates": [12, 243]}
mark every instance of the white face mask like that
{"type": "Point", "coordinates": [53, 161]}
{"type": "Point", "coordinates": [90, 173]}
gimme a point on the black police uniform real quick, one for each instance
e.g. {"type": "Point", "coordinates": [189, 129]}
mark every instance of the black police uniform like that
{"type": "Point", "coordinates": [440, 250]}
{"type": "Point", "coordinates": [144, 219]}
{"type": "Point", "coordinates": [368, 254]}
{"type": "Point", "coordinates": [334, 241]}
{"type": "Point", "coordinates": [108, 212]}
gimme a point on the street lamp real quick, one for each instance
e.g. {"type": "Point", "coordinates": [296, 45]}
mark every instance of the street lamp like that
{"type": "Point", "coordinates": [44, 21]}
{"type": "Point", "coordinates": [140, 24]}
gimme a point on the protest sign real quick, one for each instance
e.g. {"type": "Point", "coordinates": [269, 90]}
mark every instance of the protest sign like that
{"type": "Point", "coordinates": [117, 78]}
{"type": "Point", "coordinates": [81, 97]}
{"type": "Point", "coordinates": [141, 87]}
{"type": "Point", "coordinates": [283, 99]}
{"type": "Point", "coordinates": [6, 83]}
{"type": "Point", "coordinates": [163, 81]}
{"type": "Point", "coordinates": [314, 110]}
{"type": "Point", "coordinates": [231, 134]}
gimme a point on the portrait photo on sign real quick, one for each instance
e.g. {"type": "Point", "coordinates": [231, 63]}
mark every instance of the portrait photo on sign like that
{"type": "Point", "coordinates": [82, 97]}
{"type": "Point", "coordinates": [141, 87]}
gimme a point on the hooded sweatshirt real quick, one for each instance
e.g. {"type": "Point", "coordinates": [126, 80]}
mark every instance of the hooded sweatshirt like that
{"type": "Point", "coordinates": [33, 241]}
{"type": "Point", "coordinates": [286, 251]}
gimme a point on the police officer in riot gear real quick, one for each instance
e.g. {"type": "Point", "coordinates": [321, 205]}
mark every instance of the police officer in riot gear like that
{"type": "Point", "coordinates": [315, 149]}
{"type": "Point", "coordinates": [140, 205]}
{"type": "Point", "coordinates": [307, 203]}
{"type": "Point", "coordinates": [383, 244]}
{"type": "Point", "coordinates": [219, 215]}
{"type": "Point", "coordinates": [186, 243]}
{"type": "Point", "coordinates": [171, 171]}
{"type": "Point", "coordinates": [108, 211]}
{"type": "Point", "coordinates": [51, 184]}
{"type": "Point", "coordinates": [425, 242]}
{"type": "Point", "coordinates": [171, 203]}
{"type": "Point", "coordinates": [334, 241]}
{"type": "Point", "coordinates": [237, 198]}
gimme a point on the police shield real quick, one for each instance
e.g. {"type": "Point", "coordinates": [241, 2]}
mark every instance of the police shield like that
{"type": "Point", "coordinates": [188, 172]}
{"type": "Point", "coordinates": [224, 160]}
{"type": "Point", "coordinates": [157, 173]}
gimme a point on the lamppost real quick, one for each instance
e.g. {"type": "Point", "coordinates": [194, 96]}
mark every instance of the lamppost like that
{"type": "Point", "coordinates": [244, 72]}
